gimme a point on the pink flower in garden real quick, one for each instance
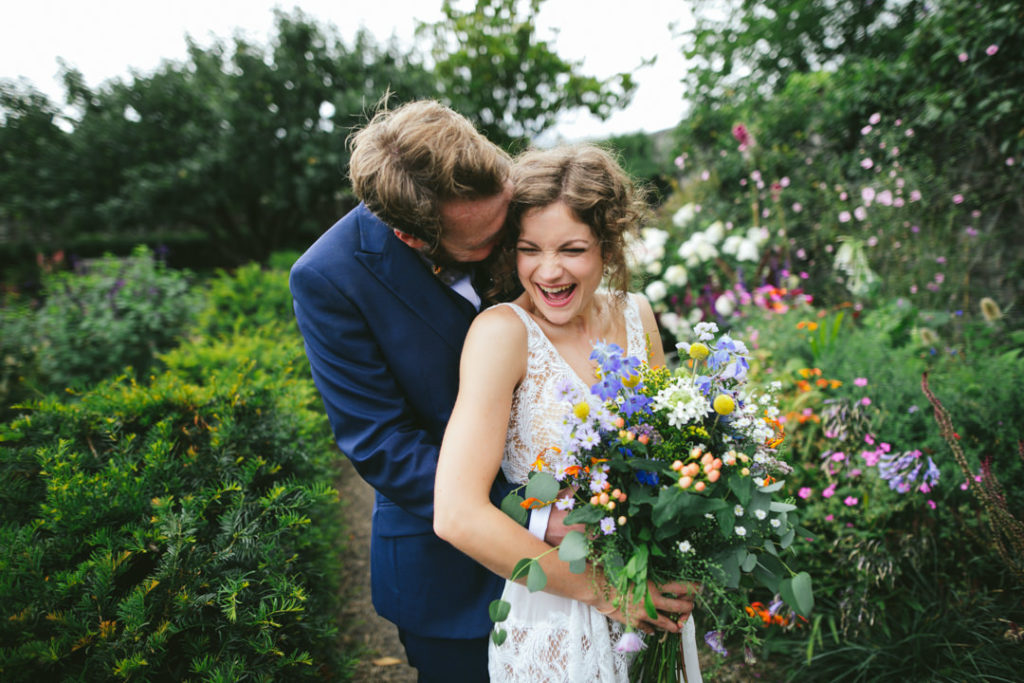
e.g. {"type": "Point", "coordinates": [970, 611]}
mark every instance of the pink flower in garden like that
{"type": "Point", "coordinates": [924, 488]}
{"type": "Point", "coordinates": [850, 501]}
{"type": "Point", "coordinates": [909, 133]}
{"type": "Point", "coordinates": [991, 50]}
{"type": "Point", "coordinates": [829, 518]}
{"type": "Point", "coordinates": [680, 162]}
{"type": "Point", "coordinates": [839, 456]}
{"type": "Point", "coordinates": [915, 195]}
{"type": "Point", "coordinates": [865, 401]}
{"type": "Point", "coordinates": [868, 195]}
{"type": "Point", "coordinates": [868, 439]}
{"type": "Point", "coordinates": [861, 381]}
{"type": "Point", "coordinates": [871, 458]}
{"type": "Point", "coordinates": [872, 241]}
{"type": "Point", "coordinates": [885, 198]}
{"type": "Point", "coordinates": [866, 162]}
{"type": "Point", "coordinates": [971, 232]}
{"type": "Point", "coordinates": [885, 447]}
{"type": "Point", "coordinates": [705, 174]}
{"type": "Point", "coordinates": [865, 130]}
{"type": "Point", "coordinates": [797, 207]}
{"type": "Point", "coordinates": [860, 213]}
{"type": "Point", "coordinates": [941, 260]}
{"type": "Point", "coordinates": [805, 492]}
{"type": "Point", "coordinates": [874, 119]}
{"type": "Point", "coordinates": [855, 472]}
{"type": "Point", "coordinates": [829, 492]}
{"type": "Point", "coordinates": [958, 199]}
{"type": "Point", "coordinates": [962, 57]}
{"type": "Point", "coordinates": [1009, 161]}
{"type": "Point", "coordinates": [844, 217]}
{"type": "Point", "coordinates": [931, 504]}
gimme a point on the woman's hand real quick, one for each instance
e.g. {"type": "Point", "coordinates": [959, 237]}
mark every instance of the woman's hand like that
{"type": "Point", "coordinates": [673, 601]}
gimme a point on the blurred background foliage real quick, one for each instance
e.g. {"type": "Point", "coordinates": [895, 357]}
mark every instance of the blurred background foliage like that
{"type": "Point", "coordinates": [844, 195]}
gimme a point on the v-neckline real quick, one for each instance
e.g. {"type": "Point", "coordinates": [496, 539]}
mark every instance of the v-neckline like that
{"type": "Point", "coordinates": [558, 354]}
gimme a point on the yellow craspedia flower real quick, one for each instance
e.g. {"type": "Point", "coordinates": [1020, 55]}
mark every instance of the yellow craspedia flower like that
{"type": "Point", "coordinates": [724, 404]}
{"type": "Point", "coordinates": [699, 351]}
{"type": "Point", "coordinates": [631, 381]}
{"type": "Point", "coordinates": [581, 410]}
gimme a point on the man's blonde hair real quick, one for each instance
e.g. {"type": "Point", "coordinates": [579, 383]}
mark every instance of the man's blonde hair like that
{"type": "Point", "coordinates": [407, 160]}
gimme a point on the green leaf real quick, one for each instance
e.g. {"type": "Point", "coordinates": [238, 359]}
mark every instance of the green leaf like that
{"type": "Point", "coordinates": [787, 538]}
{"type": "Point", "coordinates": [726, 522]}
{"type": "Point", "coordinates": [748, 563]}
{"type": "Point", "coordinates": [742, 487]}
{"type": "Point", "coordinates": [510, 505]}
{"type": "Point", "coordinates": [777, 506]}
{"type": "Point", "coordinates": [578, 566]}
{"type": "Point", "coordinates": [499, 609]}
{"type": "Point", "coordinates": [636, 568]}
{"type": "Point", "coordinates": [772, 488]}
{"type": "Point", "coordinates": [499, 636]}
{"type": "Point", "coordinates": [573, 547]}
{"type": "Point", "coordinates": [542, 486]}
{"type": "Point", "coordinates": [536, 579]}
{"type": "Point", "coordinates": [587, 514]}
{"type": "Point", "coordinates": [727, 569]}
{"type": "Point", "coordinates": [803, 593]}
{"type": "Point", "coordinates": [521, 568]}
{"type": "Point", "coordinates": [649, 603]}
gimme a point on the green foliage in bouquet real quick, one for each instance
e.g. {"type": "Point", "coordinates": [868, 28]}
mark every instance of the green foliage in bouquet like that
{"type": "Point", "coordinates": [676, 477]}
{"type": "Point", "coordinates": [180, 529]}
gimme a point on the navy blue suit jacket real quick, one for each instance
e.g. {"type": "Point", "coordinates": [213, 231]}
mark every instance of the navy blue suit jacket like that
{"type": "Point", "coordinates": [383, 337]}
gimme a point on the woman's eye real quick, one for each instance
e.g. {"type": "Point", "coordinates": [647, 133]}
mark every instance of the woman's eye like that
{"type": "Point", "coordinates": [574, 250]}
{"type": "Point", "coordinates": [526, 250]}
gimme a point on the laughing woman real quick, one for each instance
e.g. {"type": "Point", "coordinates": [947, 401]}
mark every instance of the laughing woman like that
{"type": "Point", "coordinates": [571, 210]}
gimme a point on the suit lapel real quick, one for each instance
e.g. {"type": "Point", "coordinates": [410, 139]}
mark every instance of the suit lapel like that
{"type": "Point", "coordinates": [397, 268]}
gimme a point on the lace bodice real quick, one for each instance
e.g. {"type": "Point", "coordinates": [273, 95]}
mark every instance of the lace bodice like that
{"type": "Point", "coordinates": [536, 418]}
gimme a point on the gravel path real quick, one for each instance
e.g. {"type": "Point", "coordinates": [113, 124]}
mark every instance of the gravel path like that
{"type": "Point", "coordinates": [374, 639]}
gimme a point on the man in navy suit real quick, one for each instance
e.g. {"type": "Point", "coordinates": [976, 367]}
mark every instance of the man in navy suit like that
{"type": "Point", "coordinates": [383, 300]}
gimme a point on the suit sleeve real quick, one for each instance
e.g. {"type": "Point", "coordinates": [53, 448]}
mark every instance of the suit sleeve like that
{"type": "Point", "coordinates": [372, 421]}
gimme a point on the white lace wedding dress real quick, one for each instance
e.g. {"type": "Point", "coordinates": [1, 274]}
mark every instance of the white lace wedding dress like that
{"type": "Point", "coordinates": [550, 638]}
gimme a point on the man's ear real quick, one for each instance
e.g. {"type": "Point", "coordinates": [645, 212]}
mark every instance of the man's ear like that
{"type": "Point", "coordinates": [414, 242]}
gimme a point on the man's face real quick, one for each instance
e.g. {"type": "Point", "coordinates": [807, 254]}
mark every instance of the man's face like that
{"type": "Point", "coordinates": [471, 227]}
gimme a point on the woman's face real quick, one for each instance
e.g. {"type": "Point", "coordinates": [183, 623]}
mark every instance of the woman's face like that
{"type": "Point", "coordinates": [559, 263]}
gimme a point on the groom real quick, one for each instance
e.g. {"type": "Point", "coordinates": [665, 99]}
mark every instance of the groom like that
{"type": "Point", "coordinates": [383, 300]}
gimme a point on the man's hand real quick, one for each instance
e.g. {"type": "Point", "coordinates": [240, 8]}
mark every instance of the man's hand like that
{"type": "Point", "coordinates": [673, 601]}
{"type": "Point", "coordinates": [557, 529]}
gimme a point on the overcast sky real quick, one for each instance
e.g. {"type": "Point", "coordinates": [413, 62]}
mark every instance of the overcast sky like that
{"type": "Point", "coordinates": [106, 38]}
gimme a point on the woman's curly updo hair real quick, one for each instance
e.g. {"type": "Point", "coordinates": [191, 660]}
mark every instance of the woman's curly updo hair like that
{"type": "Point", "coordinates": [591, 183]}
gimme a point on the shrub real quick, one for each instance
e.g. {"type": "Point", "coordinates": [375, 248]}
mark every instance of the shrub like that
{"type": "Point", "coordinates": [117, 313]}
{"type": "Point", "coordinates": [249, 298]}
{"type": "Point", "coordinates": [182, 528]}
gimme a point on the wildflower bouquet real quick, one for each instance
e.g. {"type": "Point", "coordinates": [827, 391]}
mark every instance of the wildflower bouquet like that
{"type": "Point", "coordinates": [676, 476]}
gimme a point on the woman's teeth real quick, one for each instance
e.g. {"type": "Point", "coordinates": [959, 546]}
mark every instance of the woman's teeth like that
{"type": "Point", "coordinates": [557, 293]}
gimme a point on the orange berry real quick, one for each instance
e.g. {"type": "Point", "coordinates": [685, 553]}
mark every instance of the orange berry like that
{"type": "Point", "coordinates": [699, 486]}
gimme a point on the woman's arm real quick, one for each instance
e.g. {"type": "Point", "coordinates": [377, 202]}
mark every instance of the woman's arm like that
{"type": "Point", "coordinates": [493, 363]}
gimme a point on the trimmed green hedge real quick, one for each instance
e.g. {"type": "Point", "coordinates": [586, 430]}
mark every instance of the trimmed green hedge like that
{"type": "Point", "coordinates": [181, 528]}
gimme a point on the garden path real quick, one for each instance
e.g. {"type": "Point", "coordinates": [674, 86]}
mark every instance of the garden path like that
{"type": "Point", "coordinates": [372, 638]}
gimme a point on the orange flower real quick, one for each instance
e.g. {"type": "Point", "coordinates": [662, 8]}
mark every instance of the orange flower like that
{"type": "Point", "coordinates": [780, 432]}
{"type": "Point", "coordinates": [532, 503]}
{"type": "Point", "coordinates": [572, 470]}
{"type": "Point", "coordinates": [803, 385]}
{"type": "Point", "coordinates": [835, 383]}
{"type": "Point", "coordinates": [821, 382]}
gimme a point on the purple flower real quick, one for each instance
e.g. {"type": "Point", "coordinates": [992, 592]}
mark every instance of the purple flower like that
{"type": "Point", "coordinates": [607, 526]}
{"type": "Point", "coordinates": [958, 199]}
{"type": "Point", "coordinates": [861, 381]}
{"type": "Point", "coordinates": [850, 501]}
{"type": "Point", "coordinates": [962, 57]}
{"type": "Point", "coordinates": [805, 492]}
{"type": "Point", "coordinates": [630, 642]}
{"type": "Point", "coordinates": [714, 641]}
{"type": "Point", "coordinates": [991, 50]}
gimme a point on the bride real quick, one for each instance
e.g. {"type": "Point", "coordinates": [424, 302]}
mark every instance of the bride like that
{"type": "Point", "coordinates": [571, 209]}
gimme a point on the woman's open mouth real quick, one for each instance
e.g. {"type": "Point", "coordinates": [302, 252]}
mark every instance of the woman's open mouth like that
{"type": "Point", "coordinates": [557, 296]}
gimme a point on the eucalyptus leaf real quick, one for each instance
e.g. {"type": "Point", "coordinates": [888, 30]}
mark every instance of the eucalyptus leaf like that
{"type": "Point", "coordinates": [748, 563]}
{"type": "Point", "coordinates": [787, 539]}
{"type": "Point", "coordinates": [519, 571]}
{"type": "Point", "coordinates": [778, 506]}
{"type": "Point", "coordinates": [573, 547]}
{"type": "Point", "coordinates": [803, 593]}
{"type": "Point", "coordinates": [542, 486]}
{"type": "Point", "coordinates": [742, 487]}
{"type": "Point", "coordinates": [511, 506]}
{"type": "Point", "coordinates": [536, 579]}
{"type": "Point", "coordinates": [499, 636]}
{"type": "Point", "coordinates": [727, 569]}
{"type": "Point", "coordinates": [578, 566]}
{"type": "Point", "coordinates": [585, 514]}
{"type": "Point", "coordinates": [499, 609]}
{"type": "Point", "coordinates": [772, 488]}
{"type": "Point", "coordinates": [726, 522]}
